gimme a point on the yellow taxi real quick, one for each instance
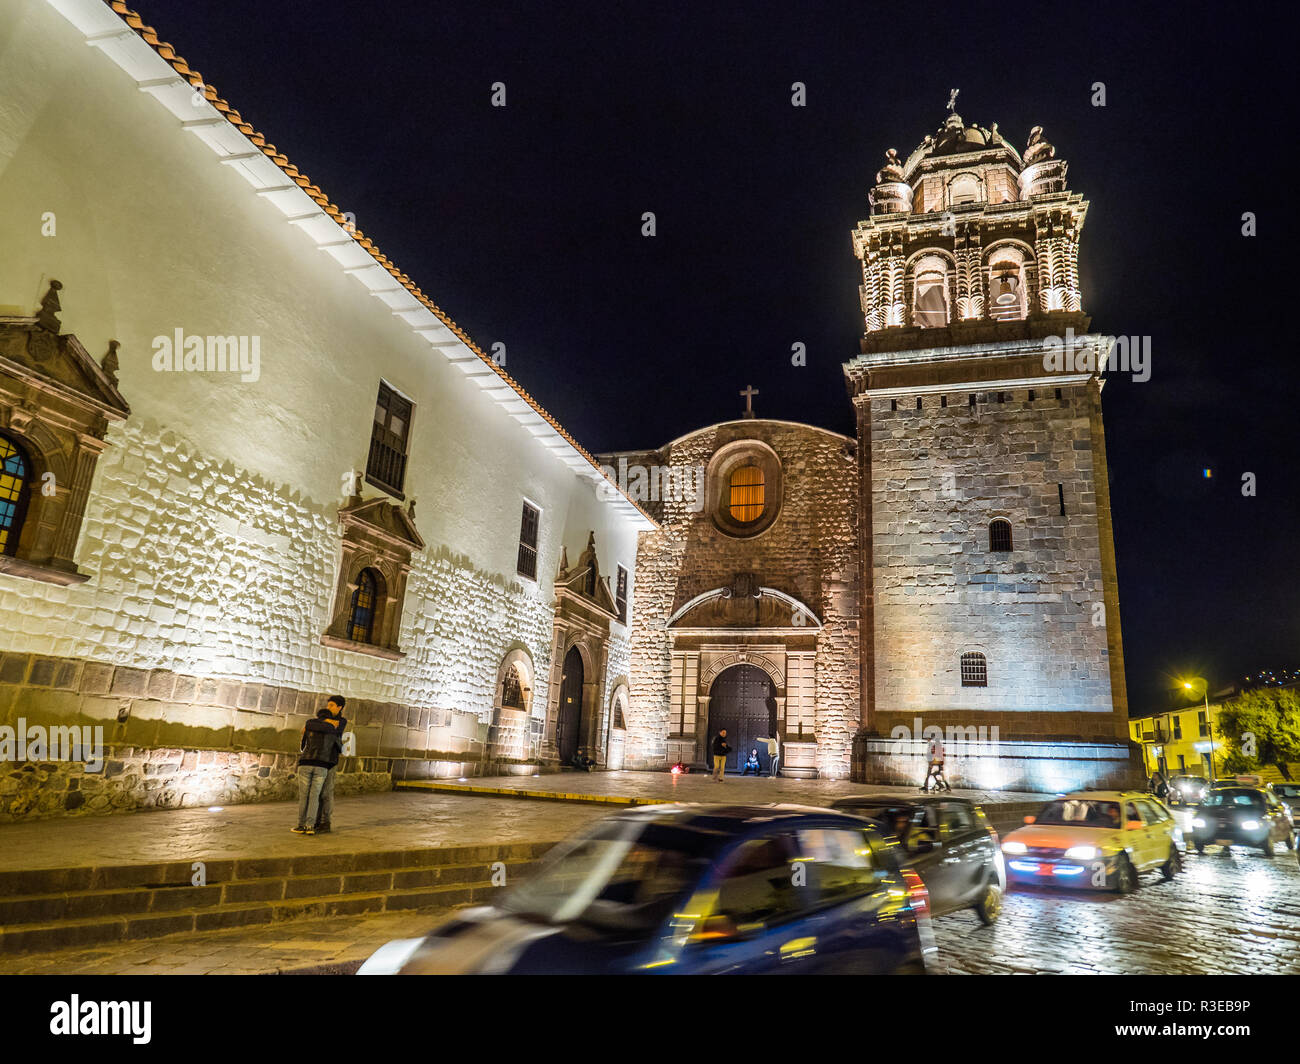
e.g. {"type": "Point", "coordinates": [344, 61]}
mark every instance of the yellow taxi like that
{"type": "Point", "coordinates": [1099, 840]}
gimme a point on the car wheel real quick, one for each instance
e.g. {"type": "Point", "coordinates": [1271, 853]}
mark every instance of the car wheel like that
{"type": "Point", "coordinates": [1126, 880]}
{"type": "Point", "coordinates": [1200, 847]}
{"type": "Point", "coordinates": [1174, 864]}
{"type": "Point", "coordinates": [1267, 846]}
{"type": "Point", "coordinates": [989, 907]}
{"type": "Point", "coordinates": [1290, 841]}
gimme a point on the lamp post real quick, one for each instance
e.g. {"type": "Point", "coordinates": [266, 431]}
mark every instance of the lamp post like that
{"type": "Point", "coordinates": [1205, 685]}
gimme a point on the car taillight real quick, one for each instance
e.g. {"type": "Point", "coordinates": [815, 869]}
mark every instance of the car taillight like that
{"type": "Point", "coordinates": [916, 892]}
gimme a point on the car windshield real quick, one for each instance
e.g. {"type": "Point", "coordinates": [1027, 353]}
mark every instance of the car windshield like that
{"type": "Point", "coordinates": [623, 874]}
{"type": "Point", "coordinates": [1079, 813]}
{"type": "Point", "coordinates": [1234, 796]}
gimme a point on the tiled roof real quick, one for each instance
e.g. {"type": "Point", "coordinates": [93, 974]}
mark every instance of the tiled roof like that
{"type": "Point", "coordinates": [168, 53]}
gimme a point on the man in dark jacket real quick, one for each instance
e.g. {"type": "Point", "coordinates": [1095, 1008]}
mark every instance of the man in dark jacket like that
{"type": "Point", "coordinates": [720, 751]}
{"type": "Point", "coordinates": [319, 750]}
{"type": "Point", "coordinates": [325, 810]}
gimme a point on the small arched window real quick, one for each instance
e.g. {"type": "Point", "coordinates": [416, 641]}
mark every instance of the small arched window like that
{"type": "Point", "coordinates": [1000, 536]}
{"type": "Point", "coordinates": [361, 616]}
{"type": "Point", "coordinates": [747, 494]}
{"type": "Point", "coordinates": [974, 670]}
{"type": "Point", "coordinates": [965, 188]}
{"type": "Point", "coordinates": [15, 485]}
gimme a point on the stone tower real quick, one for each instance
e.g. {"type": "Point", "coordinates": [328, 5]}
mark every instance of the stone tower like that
{"type": "Point", "coordinates": [989, 601]}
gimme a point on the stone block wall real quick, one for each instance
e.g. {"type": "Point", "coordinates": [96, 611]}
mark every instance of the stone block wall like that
{"type": "Point", "coordinates": [809, 552]}
{"type": "Point", "coordinates": [209, 588]}
{"type": "Point", "coordinates": [939, 475]}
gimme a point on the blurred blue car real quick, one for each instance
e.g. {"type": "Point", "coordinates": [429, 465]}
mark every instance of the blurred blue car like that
{"type": "Point", "coordinates": [695, 889]}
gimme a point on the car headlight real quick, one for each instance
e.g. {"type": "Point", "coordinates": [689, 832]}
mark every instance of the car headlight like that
{"type": "Point", "coordinates": [1198, 822]}
{"type": "Point", "coordinates": [1014, 847]}
{"type": "Point", "coordinates": [1082, 853]}
{"type": "Point", "coordinates": [1250, 825]}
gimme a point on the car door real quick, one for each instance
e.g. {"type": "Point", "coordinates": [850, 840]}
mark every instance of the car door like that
{"type": "Point", "coordinates": [748, 912]}
{"type": "Point", "coordinates": [1160, 826]}
{"type": "Point", "coordinates": [967, 851]}
{"type": "Point", "coordinates": [855, 925]}
{"type": "Point", "coordinates": [1138, 840]}
{"type": "Point", "coordinates": [923, 853]}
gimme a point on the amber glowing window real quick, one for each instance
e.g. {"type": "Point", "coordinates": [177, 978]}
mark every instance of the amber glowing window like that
{"type": "Point", "coordinates": [747, 497]}
{"type": "Point", "coordinates": [14, 475]}
{"type": "Point", "coordinates": [361, 619]}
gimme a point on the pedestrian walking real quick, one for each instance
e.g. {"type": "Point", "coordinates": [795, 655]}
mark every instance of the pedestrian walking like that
{"type": "Point", "coordinates": [720, 752]}
{"type": "Point", "coordinates": [773, 752]}
{"type": "Point", "coordinates": [935, 754]}
{"type": "Point", "coordinates": [317, 753]}
{"type": "Point", "coordinates": [325, 811]}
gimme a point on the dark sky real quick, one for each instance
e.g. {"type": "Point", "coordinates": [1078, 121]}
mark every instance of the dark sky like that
{"type": "Point", "coordinates": [524, 224]}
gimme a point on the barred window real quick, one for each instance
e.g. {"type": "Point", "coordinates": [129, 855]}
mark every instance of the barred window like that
{"type": "Point", "coordinates": [528, 541]}
{"type": "Point", "coordinates": [386, 464]}
{"type": "Point", "coordinates": [512, 692]}
{"type": "Point", "coordinates": [361, 617]}
{"type": "Point", "coordinates": [747, 493]}
{"type": "Point", "coordinates": [974, 670]}
{"type": "Point", "coordinates": [620, 595]}
{"type": "Point", "coordinates": [1000, 536]}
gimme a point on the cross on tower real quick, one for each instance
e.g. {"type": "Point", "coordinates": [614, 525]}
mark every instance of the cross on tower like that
{"type": "Point", "coordinates": [749, 392]}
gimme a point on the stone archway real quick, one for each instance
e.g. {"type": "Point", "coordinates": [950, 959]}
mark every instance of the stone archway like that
{"type": "Point", "coordinates": [511, 734]}
{"type": "Point", "coordinates": [616, 733]}
{"type": "Point", "coordinates": [742, 699]}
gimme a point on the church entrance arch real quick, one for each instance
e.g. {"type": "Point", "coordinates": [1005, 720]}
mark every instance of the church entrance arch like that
{"type": "Point", "coordinates": [568, 720]}
{"type": "Point", "coordinates": [742, 699]}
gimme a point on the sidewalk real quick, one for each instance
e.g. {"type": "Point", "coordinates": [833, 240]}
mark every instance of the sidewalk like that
{"type": "Point", "coordinates": [408, 820]}
{"type": "Point", "coordinates": [336, 945]}
{"type": "Point", "coordinates": [641, 788]}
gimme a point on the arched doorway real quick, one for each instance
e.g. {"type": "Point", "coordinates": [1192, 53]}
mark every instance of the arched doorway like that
{"type": "Point", "coordinates": [568, 720]}
{"type": "Point", "coordinates": [742, 700]}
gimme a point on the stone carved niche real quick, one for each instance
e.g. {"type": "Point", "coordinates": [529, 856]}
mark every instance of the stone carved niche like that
{"type": "Point", "coordinates": [378, 539]}
{"type": "Point", "coordinates": [56, 403]}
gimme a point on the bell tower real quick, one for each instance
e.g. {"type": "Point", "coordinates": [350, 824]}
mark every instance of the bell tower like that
{"type": "Point", "coordinates": [990, 602]}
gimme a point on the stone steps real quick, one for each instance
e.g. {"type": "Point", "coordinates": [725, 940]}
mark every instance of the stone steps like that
{"type": "Point", "coordinates": [50, 909]}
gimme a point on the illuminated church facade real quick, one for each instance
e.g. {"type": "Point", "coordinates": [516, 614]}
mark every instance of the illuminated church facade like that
{"type": "Point", "coordinates": [405, 525]}
{"type": "Point", "coordinates": [951, 567]}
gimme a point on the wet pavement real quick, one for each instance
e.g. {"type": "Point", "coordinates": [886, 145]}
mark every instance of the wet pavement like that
{"type": "Point", "coordinates": [408, 820]}
{"type": "Point", "coordinates": [1224, 915]}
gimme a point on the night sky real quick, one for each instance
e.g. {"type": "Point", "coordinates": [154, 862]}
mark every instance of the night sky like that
{"type": "Point", "coordinates": [524, 223]}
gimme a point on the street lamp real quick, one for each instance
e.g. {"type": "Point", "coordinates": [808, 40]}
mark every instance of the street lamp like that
{"type": "Point", "coordinates": [1209, 721]}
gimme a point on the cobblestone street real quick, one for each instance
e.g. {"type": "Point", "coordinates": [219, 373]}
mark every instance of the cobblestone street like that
{"type": "Point", "coordinates": [1223, 915]}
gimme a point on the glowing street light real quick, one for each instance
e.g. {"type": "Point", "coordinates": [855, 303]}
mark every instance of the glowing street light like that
{"type": "Point", "coordinates": [1204, 685]}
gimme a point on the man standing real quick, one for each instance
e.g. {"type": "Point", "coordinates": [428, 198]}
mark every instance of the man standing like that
{"type": "Point", "coordinates": [720, 752]}
{"type": "Point", "coordinates": [773, 752]}
{"type": "Point", "coordinates": [318, 752]}
{"type": "Point", "coordinates": [325, 813]}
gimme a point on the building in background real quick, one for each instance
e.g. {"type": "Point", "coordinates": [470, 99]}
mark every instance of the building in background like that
{"type": "Point", "coordinates": [219, 405]}
{"type": "Point", "coordinates": [952, 567]}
